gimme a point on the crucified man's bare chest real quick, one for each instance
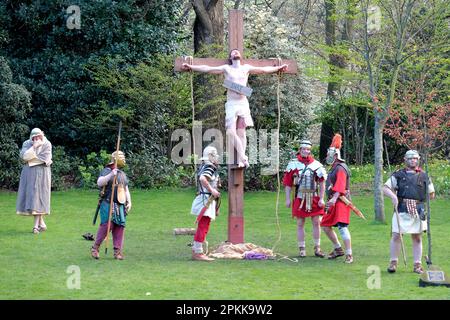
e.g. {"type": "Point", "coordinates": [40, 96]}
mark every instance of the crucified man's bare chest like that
{"type": "Point", "coordinates": [238, 75]}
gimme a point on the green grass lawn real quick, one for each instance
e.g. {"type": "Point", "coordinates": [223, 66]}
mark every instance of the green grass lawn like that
{"type": "Point", "coordinates": [158, 265]}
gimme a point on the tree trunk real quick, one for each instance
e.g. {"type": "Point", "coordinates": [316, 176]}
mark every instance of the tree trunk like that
{"type": "Point", "coordinates": [209, 23]}
{"type": "Point", "coordinates": [380, 121]}
{"type": "Point", "coordinates": [378, 163]}
{"type": "Point", "coordinates": [350, 11]}
{"type": "Point", "coordinates": [336, 63]}
{"type": "Point", "coordinates": [330, 40]}
{"type": "Point", "coordinates": [208, 41]}
{"type": "Point", "coordinates": [326, 132]}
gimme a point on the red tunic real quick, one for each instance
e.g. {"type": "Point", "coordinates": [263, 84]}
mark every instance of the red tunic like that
{"type": "Point", "coordinates": [288, 181]}
{"type": "Point", "coordinates": [340, 212]}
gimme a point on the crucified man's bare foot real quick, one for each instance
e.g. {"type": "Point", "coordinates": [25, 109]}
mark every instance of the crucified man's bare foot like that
{"type": "Point", "coordinates": [244, 163]}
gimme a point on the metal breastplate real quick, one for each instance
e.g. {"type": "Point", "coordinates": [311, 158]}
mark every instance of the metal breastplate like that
{"type": "Point", "coordinates": [411, 185]}
{"type": "Point", "coordinates": [331, 179]}
{"type": "Point", "coordinates": [306, 182]}
{"type": "Point", "coordinates": [213, 182]}
{"type": "Point", "coordinates": [306, 187]}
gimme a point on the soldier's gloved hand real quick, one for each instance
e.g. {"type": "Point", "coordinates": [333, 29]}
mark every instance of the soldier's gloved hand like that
{"type": "Point", "coordinates": [128, 206]}
{"type": "Point", "coordinates": [321, 203]}
{"type": "Point", "coordinates": [331, 203]}
{"type": "Point", "coordinates": [395, 203]}
{"type": "Point", "coordinates": [215, 193]}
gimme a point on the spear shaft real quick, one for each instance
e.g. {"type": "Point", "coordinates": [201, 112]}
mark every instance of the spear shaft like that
{"type": "Point", "coordinates": [113, 187]}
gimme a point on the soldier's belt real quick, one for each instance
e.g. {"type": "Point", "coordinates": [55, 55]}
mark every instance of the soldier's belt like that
{"type": "Point", "coordinates": [404, 200]}
{"type": "Point", "coordinates": [208, 193]}
{"type": "Point", "coordinates": [314, 193]}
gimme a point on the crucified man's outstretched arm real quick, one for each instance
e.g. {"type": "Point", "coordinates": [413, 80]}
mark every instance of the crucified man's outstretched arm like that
{"type": "Point", "coordinates": [204, 68]}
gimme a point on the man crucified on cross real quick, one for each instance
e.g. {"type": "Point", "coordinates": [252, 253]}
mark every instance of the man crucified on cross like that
{"type": "Point", "coordinates": [237, 110]}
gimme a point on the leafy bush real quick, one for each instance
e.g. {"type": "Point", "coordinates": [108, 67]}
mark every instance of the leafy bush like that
{"type": "Point", "coordinates": [14, 106]}
{"type": "Point", "coordinates": [10, 163]}
{"type": "Point", "coordinates": [63, 174]}
{"type": "Point", "coordinates": [90, 168]}
{"type": "Point", "coordinates": [440, 175]}
{"type": "Point", "coordinates": [150, 170]}
{"type": "Point", "coordinates": [51, 60]}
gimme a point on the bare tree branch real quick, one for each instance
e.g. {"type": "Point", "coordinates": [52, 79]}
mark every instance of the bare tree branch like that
{"type": "Point", "coordinates": [389, 12]}
{"type": "Point", "coordinates": [305, 16]}
{"type": "Point", "coordinates": [276, 11]}
{"type": "Point", "coordinates": [187, 8]}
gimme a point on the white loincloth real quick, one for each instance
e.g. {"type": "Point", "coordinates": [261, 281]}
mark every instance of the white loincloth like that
{"type": "Point", "coordinates": [235, 109]}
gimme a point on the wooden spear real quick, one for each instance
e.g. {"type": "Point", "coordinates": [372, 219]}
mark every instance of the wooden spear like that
{"type": "Point", "coordinates": [113, 187]}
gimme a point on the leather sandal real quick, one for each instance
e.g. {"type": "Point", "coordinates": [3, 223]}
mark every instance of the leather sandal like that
{"type": "Point", "coordinates": [392, 266]}
{"type": "Point", "coordinates": [418, 268]}
{"type": "Point", "coordinates": [318, 252]}
{"type": "Point", "coordinates": [118, 255]}
{"type": "Point", "coordinates": [42, 228]}
{"type": "Point", "coordinates": [302, 252]}
{"type": "Point", "coordinates": [348, 258]}
{"type": "Point", "coordinates": [35, 230]}
{"type": "Point", "coordinates": [94, 253]}
{"type": "Point", "coordinates": [339, 252]}
{"type": "Point", "coordinates": [201, 257]}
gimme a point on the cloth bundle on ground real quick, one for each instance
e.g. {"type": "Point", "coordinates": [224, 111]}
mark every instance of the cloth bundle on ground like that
{"type": "Point", "coordinates": [183, 231]}
{"type": "Point", "coordinates": [88, 236]}
{"type": "Point", "coordinates": [248, 251]}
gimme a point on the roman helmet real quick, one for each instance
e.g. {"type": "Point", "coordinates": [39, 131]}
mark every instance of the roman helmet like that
{"type": "Point", "coordinates": [412, 154]}
{"type": "Point", "coordinates": [305, 144]}
{"type": "Point", "coordinates": [335, 148]}
{"type": "Point", "coordinates": [120, 159]}
{"type": "Point", "coordinates": [210, 154]}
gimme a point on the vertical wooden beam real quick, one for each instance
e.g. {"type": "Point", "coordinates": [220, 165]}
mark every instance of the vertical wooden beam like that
{"type": "Point", "coordinates": [236, 30]}
{"type": "Point", "coordinates": [235, 204]}
{"type": "Point", "coordinates": [235, 175]}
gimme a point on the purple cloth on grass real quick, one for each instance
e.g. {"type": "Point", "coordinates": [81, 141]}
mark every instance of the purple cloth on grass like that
{"type": "Point", "coordinates": [250, 255]}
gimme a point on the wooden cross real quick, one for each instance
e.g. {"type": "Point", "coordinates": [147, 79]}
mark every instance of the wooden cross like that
{"type": "Point", "coordinates": [236, 175]}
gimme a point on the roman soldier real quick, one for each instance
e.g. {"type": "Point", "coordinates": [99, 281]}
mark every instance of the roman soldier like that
{"type": "Point", "coordinates": [408, 189]}
{"type": "Point", "coordinates": [121, 205]}
{"type": "Point", "coordinates": [308, 176]}
{"type": "Point", "coordinates": [338, 213]}
{"type": "Point", "coordinates": [204, 204]}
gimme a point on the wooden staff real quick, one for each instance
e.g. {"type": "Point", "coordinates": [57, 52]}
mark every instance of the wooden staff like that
{"type": "Point", "coordinates": [111, 202]}
{"type": "Point", "coordinates": [397, 216]}
{"type": "Point", "coordinates": [401, 236]}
